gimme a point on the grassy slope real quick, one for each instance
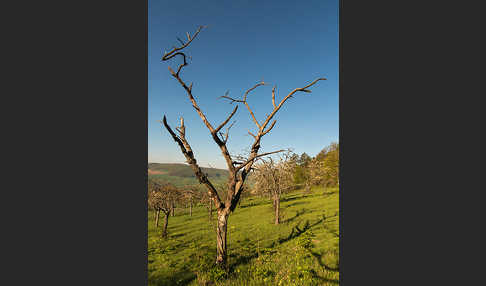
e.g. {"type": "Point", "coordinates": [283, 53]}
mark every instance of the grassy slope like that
{"type": "Point", "coordinates": [260, 253]}
{"type": "Point", "coordinates": [181, 175]}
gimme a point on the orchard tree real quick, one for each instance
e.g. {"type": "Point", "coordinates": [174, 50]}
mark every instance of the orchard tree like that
{"type": "Point", "coordinates": [274, 178]}
{"type": "Point", "coordinates": [238, 170]}
{"type": "Point", "coordinates": [190, 195]}
{"type": "Point", "coordinates": [206, 200]}
{"type": "Point", "coordinates": [161, 198]}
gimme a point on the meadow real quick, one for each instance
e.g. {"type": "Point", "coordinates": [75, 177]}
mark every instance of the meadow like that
{"type": "Point", "coordinates": [181, 175]}
{"type": "Point", "coordinates": [302, 250]}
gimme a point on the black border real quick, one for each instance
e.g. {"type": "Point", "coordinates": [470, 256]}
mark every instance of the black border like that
{"type": "Point", "coordinates": [77, 113]}
{"type": "Point", "coordinates": [78, 118]}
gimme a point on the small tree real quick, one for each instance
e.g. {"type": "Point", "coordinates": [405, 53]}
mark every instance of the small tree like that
{"type": "Point", "coordinates": [190, 195]}
{"type": "Point", "coordinates": [161, 198]}
{"type": "Point", "coordinates": [153, 203]}
{"type": "Point", "coordinates": [275, 178]}
{"type": "Point", "coordinates": [238, 170]}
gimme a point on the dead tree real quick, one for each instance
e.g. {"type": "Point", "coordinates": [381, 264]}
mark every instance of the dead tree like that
{"type": "Point", "coordinates": [238, 170]}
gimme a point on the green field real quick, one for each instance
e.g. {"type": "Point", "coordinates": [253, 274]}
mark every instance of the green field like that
{"type": "Point", "coordinates": [181, 175]}
{"type": "Point", "coordinates": [302, 250]}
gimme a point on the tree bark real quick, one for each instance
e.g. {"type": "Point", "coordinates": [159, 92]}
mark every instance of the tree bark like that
{"type": "Point", "coordinates": [166, 222]}
{"type": "Point", "coordinates": [277, 208]}
{"type": "Point", "coordinates": [157, 218]}
{"type": "Point", "coordinates": [221, 237]}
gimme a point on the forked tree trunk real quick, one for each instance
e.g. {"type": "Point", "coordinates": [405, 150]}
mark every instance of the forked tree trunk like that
{"type": "Point", "coordinates": [276, 203]}
{"type": "Point", "coordinates": [166, 222]}
{"type": "Point", "coordinates": [221, 237]}
{"type": "Point", "coordinates": [157, 218]}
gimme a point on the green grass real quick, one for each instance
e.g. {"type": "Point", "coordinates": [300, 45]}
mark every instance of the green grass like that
{"type": "Point", "coordinates": [302, 250]}
{"type": "Point", "coordinates": [182, 175]}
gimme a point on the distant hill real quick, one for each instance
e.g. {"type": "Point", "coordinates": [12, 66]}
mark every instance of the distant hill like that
{"type": "Point", "coordinates": [182, 174]}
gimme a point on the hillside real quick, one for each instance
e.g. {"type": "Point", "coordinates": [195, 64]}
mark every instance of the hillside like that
{"type": "Point", "coordinates": [182, 174]}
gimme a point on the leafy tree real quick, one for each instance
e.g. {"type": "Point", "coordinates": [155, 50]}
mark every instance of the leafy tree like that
{"type": "Point", "coordinates": [324, 168]}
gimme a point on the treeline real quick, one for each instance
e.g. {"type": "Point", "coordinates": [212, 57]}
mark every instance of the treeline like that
{"type": "Point", "coordinates": [322, 170]}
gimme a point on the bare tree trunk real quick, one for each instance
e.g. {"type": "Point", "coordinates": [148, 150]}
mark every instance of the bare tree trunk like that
{"type": "Point", "coordinates": [307, 188]}
{"type": "Point", "coordinates": [166, 222]}
{"type": "Point", "coordinates": [173, 209]}
{"type": "Point", "coordinates": [190, 208]}
{"type": "Point", "coordinates": [157, 218]}
{"type": "Point", "coordinates": [221, 237]}
{"type": "Point", "coordinates": [276, 203]}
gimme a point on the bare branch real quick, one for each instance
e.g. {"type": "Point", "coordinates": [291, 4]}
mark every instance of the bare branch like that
{"type": "Point", "coordinates": [251, 134]}
{"type": "Point", "coordinates": [304, 89]}
{"type": "Point", "coordinates": [253, 158]}
{"type": "Point", "coordinates": [269, 128]}
{"type": "Point", "coordinates": [227, 132]}
{"type": "Point", "coordinates": [251, 89]}
{"type": "Point", "coordinates": [246, 103]}
{"type": "Point", "coordinates": [174, 50]}
{"type": "Point", "coordinates": [231, 99]}
{"type": "Point", "coordinates": [227, 119]}
{"type": "Point", "coordinates": [187, 151]}
{"type": "Point", "coordinates": [214, 133]}
{"type": "Point", "coordinates": [273, 97]}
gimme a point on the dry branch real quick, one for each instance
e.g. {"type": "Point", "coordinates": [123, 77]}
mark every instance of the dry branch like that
{"type": "Point", "coordinates": [187, 151]}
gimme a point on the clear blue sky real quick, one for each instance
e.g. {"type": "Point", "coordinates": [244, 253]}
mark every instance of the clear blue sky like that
{"type": "Point", "coordinates": [287, 43]}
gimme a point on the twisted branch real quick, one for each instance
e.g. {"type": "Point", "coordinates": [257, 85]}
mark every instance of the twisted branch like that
{"type": "Point", "coordinates": [187, 151]}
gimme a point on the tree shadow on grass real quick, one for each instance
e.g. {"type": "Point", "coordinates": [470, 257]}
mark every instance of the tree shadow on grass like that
{"type": "Point", "coordinates": [179, 278]}
{"type": "Point", "coordinates": [288, 199]}
{"type": "Point", "coordinates": [319, 256]}
{"type": "Point", "coordinates": [176, 235]}
{"type": "Point", "coordinates": [295, 204]}
{"type": "Point", "coordinates": [333, 281]}
{"type": "Point", "coordinates": [254, 204]}
{"type": "Point", "coordinates": [239, 259]}
{"type": "Point", "coordinates": [296, 231]}
{"type": "Point", "coordinates": [330, 193]}
{"type": "Point", "coordinates": [297, 214]}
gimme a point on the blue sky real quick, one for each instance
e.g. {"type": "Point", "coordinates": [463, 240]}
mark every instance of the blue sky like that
{"type": "Point", "coordinates": [285, 43]}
